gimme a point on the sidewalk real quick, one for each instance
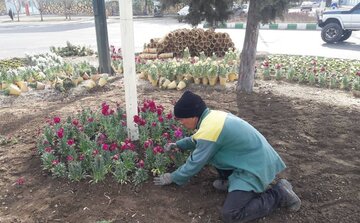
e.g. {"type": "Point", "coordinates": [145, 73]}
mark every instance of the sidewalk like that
{"type": "Point", "coordinates": [274, 26]}
{"type": "Point", "coordinates": [5, 19]}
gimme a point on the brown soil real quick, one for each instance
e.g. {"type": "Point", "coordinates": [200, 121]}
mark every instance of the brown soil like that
{"type": "Point", "coordinates": [316, 131]}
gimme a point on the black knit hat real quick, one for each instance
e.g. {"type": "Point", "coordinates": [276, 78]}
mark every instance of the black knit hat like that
{"type": "Point", "coordinates": [189, 105]}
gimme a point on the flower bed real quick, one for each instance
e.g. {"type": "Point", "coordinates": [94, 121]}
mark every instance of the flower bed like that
{"type": "Point", "coordinates": [316, 71]}
{"type": "Point", "coordinates": [94, 144]}
{"type": "Point", "coordinates": [37, 71]}
{"type": "Point", "coordinates": [177, 73]}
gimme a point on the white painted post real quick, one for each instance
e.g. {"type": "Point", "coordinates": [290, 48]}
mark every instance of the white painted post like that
{"type": "Point", "coordinates": [128, 53]}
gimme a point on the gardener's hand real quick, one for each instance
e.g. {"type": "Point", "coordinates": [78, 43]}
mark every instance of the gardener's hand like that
{"type": "Point", "coordinates": [163, 179]}
{"type": "Point", "coordinates": [169, 146]}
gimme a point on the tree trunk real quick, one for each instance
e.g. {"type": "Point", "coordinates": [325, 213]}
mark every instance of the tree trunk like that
{"type": "Point", "coordinates": [41, 15]}
{"type": "Point", "coordinates": [248, 53]}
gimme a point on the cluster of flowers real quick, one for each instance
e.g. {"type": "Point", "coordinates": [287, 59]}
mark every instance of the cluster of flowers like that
{"type": "Point", "coordinates": [323, 72]}
{"type": "Point", "coordinates": [94, 144]}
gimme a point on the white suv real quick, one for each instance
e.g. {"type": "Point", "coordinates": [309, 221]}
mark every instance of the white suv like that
{"type": "Point", "coordinates": [337, 25]}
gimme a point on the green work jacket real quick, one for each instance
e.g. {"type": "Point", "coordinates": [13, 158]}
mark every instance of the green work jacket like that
{"type": "Point", "coordinates": [229, 143]}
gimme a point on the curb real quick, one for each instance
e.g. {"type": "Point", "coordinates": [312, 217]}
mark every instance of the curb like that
{"type": "Point", "coordinates": [274, 26]}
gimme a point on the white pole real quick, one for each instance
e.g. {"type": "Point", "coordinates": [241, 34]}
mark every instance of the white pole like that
{"type": "Point", "coordinates": [128, 53]}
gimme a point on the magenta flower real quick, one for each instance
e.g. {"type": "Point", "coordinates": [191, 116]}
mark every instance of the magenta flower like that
{"type": "Point", "coordinates": [57, 119]}
{"type": "Point", "coordinates": [169, 116]}
{"type": "Point", "coordinates": [95, 152]}
{"type": "Point", "coordinates": [115, 157]}
{"type": "Point", "coordinates": [160, 119]}
{"type": "Point", "coordinates": [158, 149]}
{"type": "Point", "coordinates": [153, 124]}
{"type": "Point", "coordinates": [81, 157]}
{"type": "Point", "coordinates": [113, 146]}
{"type": "Point", "coordinates": [20, 181]}
{"type": "Point", "coordinates": [90, 119]}
{"type": "Point", "coordinates": [69, 158]}
{"type": "Point", "coordinates": [55, 162]}
{"type": "Point", "coordinates": [137, 119]}
{"type": "Point", "coordinates": [159, 111]}
{"type": "Point", "coordinates": [48, 149]}
{"type": "Point", "coordinates": [71, 142]}
{"type": "Point", "coordinates": [101, 138]}
{"type": "Point", "coordinates": [147, 144]}
{"type": "Point", "coordinates": [75, 122]}
{"type": "Point", "coordinates": [178, 133]}
{"type": "Point", "coordinates": [166, 135]}
{"type": "Point", "coordinates": [140, 164]}
{"type": "Point", "coordinates": [127, 145]}
{"type": "Point", "coordinates": [123, 123]}
{"type": "Point", "coordinates": [105, 147]}
{"type": "Point", "coordinates": [60, 133]}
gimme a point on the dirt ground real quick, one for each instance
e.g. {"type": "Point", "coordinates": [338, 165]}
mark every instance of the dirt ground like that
{"type": "Point", "coordinates": [316, 131]}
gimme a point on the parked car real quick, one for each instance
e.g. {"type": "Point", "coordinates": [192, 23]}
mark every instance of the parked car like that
{"type": "Point", "coordinates": [182, 13]}
{"type": "Point", "coordinates": [338, 25]}
{"type": "Point", "coordinates": [308, 5]}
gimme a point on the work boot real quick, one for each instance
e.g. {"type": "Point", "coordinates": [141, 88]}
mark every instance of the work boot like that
{"type": "Point", "coordinates": [289, 199]}
{"type": "Point", "coordinates": [221, 185]}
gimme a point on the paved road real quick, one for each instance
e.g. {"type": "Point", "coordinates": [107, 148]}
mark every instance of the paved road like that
{"type": "Point", "coordinates": [16, 39]}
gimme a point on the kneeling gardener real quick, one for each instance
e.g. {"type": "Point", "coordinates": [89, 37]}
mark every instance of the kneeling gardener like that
{"type": "Point", "coordinates": [246, 162]}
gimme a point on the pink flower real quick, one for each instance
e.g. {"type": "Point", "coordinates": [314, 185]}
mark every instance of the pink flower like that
{"type": "Point", "coordinates": [69, 158]}
{"type": "Point", "coordinates": [60, 133]}
{"type": "Point", "coordinates": [147, 144]}
{"type": "Point", "coordinates": [55, 162]}
{"type": "Point", "coordinates": [159, 111]}
{"type": "Point", "coordinates": [277, 66]}
{"type": "Point", "coordinates": [153, 124]}
{"type": "Point", "coordinates": [166, 135]}
{"type": "Point", "coordinates": [115, 157]}
{"type": "Point", "coordinates": [71, 142]}
{"type": "Point", "coordinates": [95, 152]}
{"type": "Point", "coordinates": [123, 123]}
{"type": "Point", "coordinates": [81, 157]}
{"type": "Point", "coordinates": [358, 73]}
{"type": "Point", "coordinates": [75, 122]}
{"type": "Point", "coordinates": [127, 145]}
{"type": "Point", "coordinates": [57, 119]}
{"type": "Point", "coordinates": [90, 119]}
{"type": "Point", "coordinates": [20, 181]}
{"type": "Point", "coordinates": [101, 138]}
{"type": "Point", "coordinates": [265, 64]}
{"type": "Point", "coordinates": [140, 164]}
{"type": "Point", "coordinates": [178, 133]}
{"type": "Point", "coordinates": [169, 116]}
{"type": "Point", "coordinates": [113, 146]}
{"type": "Point", "coordinates": [158, 149]}
{"type": "Point", "coordinates": [105, 147]}
{"type": "Point", "coordinates": [48, 149]}
{"type": "Point", "coordinates": [137, 119]}
{"type": "Point", "coordinates": [105, 109]}
{"type": "Point", "coordinates": [160, 119]}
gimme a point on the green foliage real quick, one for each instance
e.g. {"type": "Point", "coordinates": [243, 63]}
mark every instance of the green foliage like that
{"type": "Point", "coordinates": [140, 176]}
{"type": "Point", "coordinates": [72, 50]}
{"type": "Point", "coordinates": [76, 172]}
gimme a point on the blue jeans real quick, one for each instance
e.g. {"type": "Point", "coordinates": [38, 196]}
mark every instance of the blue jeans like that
{"type": "Point", "coordinates": [244, 206]}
